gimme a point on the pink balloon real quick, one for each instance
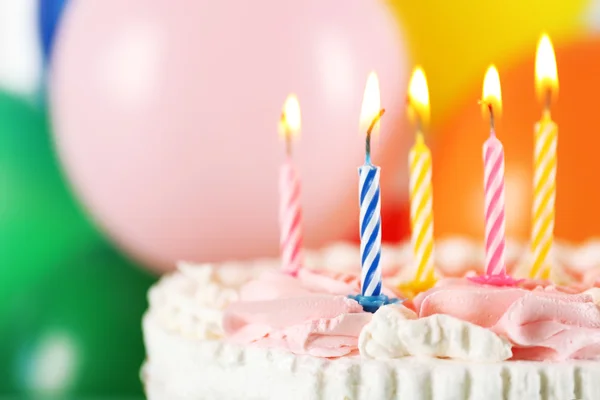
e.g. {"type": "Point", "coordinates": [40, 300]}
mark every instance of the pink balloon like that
{"type": "Point", "coordinates": [166, 117]}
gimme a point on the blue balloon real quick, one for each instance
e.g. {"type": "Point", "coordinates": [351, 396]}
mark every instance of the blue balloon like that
{"type": "Point", "coordinates": [50, 12]}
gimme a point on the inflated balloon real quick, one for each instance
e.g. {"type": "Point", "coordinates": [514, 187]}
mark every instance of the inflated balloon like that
{"type": "Point", "coordinates": [456, 40]}
{"type": "Point", "coordinates": [593, 15]}
{"type": "Point", "coordinates": [50, 13]}
{"type": "Point", "coordinates": [76, 333]}
{"type": "Point", "coordinates": [166, 117]}
{"type": "Point", "coordinates": [458, 165]}
{"type": "Point", "coordinates": [39, 220]}
{"type": "Point", "coordinates": [21, 68]}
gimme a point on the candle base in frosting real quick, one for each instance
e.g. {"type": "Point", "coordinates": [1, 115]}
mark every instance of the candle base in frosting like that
{"type": "Point", "coordinates": [372, 303]}
{"type": "Point", "coordinates": [414, 287]}
{"type": "Point", "coordinates": [496, 280]}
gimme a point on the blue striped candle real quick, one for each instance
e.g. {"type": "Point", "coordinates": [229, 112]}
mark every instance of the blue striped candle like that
{"type": "Point", "coordinates": [370, 228]}
{"type": "Point", "coordinates": [369, 199]}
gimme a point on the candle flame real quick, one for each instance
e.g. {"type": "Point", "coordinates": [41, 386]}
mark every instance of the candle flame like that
{"type": "Point", "coordinates": [289, 124]}
{"type": "Point", "coordinates": [546, 74]}
{"type": "Point", "coordinates": [492, 94]}
{"type": "Point", "coordinates": [371, 106]}
{"type": "Point", "coordinates": [418, 98]}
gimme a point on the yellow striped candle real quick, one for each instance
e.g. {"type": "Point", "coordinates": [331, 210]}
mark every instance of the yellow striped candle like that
{"type": "Point", "coordinates": [545, 161]}
{"type": "Point", "coordinates": [421, 210]}
{"type": "Point", "coordinates": [421, 193]}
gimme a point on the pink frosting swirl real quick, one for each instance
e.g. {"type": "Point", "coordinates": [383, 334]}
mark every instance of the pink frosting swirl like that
{"type": "Point", "coordinates": [542, 324]}
{"type": "Point", "coordinates": [307, 314]}
{"type": "Point", "coordinates": [318, 325]}
{"type": "Point", "coordinates": [273, 285]}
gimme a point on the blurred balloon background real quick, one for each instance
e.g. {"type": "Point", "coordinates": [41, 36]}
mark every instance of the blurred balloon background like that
{"type": "Point", "coordinates": [157, 141]}
{"type": "Point", "coordinates": [183, 129]}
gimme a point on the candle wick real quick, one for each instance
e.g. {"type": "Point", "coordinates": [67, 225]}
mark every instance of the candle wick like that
{"type": "Point", "coordinates": [419, 137]}
{"type": "Point", "coordinates": [368, 148]}
{"type": "Point", "coordinates": [417, 117]}
{"type": "Point", "coordinates": [288, 143]}
{"type": "Point", "coordinates": [369, 131]}
{"type": "Point", "coordinates": [492, 121]}
{"type": "Point", "coordinates": [548, 102]}
{"type": "Point", "coordinates": [287, 134]}
{"type": "Point", "coordinates": [418, 123]}
{"type": "Point", "coordinates": [375, 120]}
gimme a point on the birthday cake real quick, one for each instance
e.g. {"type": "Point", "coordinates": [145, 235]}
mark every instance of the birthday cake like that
{"type": "Point", "coordinates": [250, 331]}
{"type": "Point", "coordinates": [462, 322]}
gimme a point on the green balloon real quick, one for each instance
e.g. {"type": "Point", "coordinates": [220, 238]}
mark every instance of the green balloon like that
{"type": "Point", "coordinates": [77, 333]}
{"type": "Point", "coordinates": [40, 221]}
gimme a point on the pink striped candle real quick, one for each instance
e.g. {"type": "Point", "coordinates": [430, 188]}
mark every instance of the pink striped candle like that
{"type": "Point", "coordinates": [290, 219]}
{"type": "Point", "coordinates": [495, 217]}
{"type": "Point", "coordinates": [290, 210]}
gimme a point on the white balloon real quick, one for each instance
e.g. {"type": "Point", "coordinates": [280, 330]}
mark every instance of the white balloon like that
{"type": "Point", "coordinates": [21, 58]}
{"type": "Point", "coordinates": [593, 15]}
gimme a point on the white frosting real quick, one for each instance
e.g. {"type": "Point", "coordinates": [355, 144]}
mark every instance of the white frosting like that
{"type": "Point", "coordinates": [454, 254]}
{"type": "Point", "coordinates": [344, 257]}
{"type": "Point", "coordinates": [191, 301]}
{"type": "Point", "coordinates": [180, 368]}
{"type": "Point", "coordinates": [395, 331]}
{"type": "Point", "coordinates": [339, 257]}
{"type": "Point", "coordinates": [564, 258]}
{"type": "Point", "coordinates": [459, 256]}
{"type": "Point", "coordinates": [188, 361]}
{"type": "Point", "coordinates": [586, 257]}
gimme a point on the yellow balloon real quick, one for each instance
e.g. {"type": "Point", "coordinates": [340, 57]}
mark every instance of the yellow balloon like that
{"type": "Point", "coordinates": [456, 40]}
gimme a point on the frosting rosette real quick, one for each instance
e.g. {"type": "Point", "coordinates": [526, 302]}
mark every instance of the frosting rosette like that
{"type": "Point", "coordinates": [541, 324]}
{"type": "Point", "coordinates": [395, 332]}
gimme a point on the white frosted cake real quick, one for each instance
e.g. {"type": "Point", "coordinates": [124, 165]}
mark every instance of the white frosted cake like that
{"type": "Point", "coordinates": [247, 331]}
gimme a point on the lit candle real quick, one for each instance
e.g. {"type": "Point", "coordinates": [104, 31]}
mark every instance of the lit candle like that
{"type": "Point", "coordinates": [495, 219]}
{"type": "Point", "coordinates": [544, 175]}
{"type": "Point", "coordinates": [369, 195]}
{"type": "Point", "coordinates": [421, 193]}
{"type": "Point", "coordinates": [290, 210]}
